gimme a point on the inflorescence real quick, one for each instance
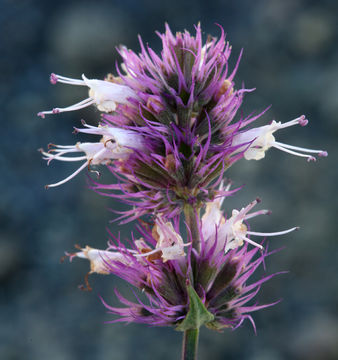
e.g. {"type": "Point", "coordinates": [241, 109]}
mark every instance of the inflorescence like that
{"type": "Point", "coordinates": [168, 132]}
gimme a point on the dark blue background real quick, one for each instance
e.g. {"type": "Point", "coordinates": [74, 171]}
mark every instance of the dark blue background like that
{"type": "Point", "coordinates": [290, 56]}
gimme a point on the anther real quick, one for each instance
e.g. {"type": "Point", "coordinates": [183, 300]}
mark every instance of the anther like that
{"type": "Point", "coordinates": [303, 121]}
{"type": "Point", "coordinates": [53, 78]}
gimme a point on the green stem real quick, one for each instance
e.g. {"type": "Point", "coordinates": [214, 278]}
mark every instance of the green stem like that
{"type": "Point", "coordinates": [190, 344]}
{"type": "Point", "coordinates": [192, 218]}
{"type": "Point", "coordinates": [190, 336]}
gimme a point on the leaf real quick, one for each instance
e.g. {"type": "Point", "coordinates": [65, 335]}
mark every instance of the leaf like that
{"type": "Point", "coordinates": [197, 314]}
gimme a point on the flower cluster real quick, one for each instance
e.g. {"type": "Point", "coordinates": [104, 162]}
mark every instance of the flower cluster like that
{"type": "Point", "coordinates": [158, 265]}
{"type": "Point", "coordinates": [168, 132]}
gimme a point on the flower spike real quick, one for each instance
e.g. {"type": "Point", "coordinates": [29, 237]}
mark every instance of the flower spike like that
{"type": "Point", "coordinates": [169, 130]}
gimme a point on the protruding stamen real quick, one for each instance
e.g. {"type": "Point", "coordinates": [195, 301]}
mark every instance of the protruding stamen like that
{"type": "Point", "coordinates": [256, 213]}
{"type": "Point", "coordinates": [83, 166]}
{"type": "Point", "coordinates": [282, 148]}
{"type": "Point", "coordinates": [301, 120]}
{"type": "Point", "coordinates": [59, 156]}
{"type": "Point", "coordinates": [291, 147]}
{"type": "Point", "coordinates": [50, 145]}
{"type": "Point", "coordinates": [80, 105]}
{"type": "Point", "coordinates": [252, 242]}
{"type": "Point", "coordinates": [273, 233]}
{"type": "Point", "coordinates": [65, 80]}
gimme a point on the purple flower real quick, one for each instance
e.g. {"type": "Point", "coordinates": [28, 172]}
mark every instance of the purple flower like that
{"type": "Point", "coordinates": [168, 129]}
{"type": "Point", "coordinates": [170, 278]}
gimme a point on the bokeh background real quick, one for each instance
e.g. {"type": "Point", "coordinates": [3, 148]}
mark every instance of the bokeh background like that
{"type": "Point", "coordinates": [290, 56]}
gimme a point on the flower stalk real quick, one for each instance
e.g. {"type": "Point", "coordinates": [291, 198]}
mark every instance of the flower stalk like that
{"type": "Point", "coordinates": [190, 344]}
{"type": "Point", "coordinates": [191, 215]}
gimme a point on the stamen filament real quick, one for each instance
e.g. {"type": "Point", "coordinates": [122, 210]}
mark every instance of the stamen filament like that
{"type": "Point", "coordinates": [256, 213]}
{"type": "Point", "coordinates": [61, 158]}
{"type": "Point", "coordinates": [80, 105]}
{"type": "Point", "coordinates": [310, 158]}
{"type": "Point", "coordinates": [299, 148]}
{"type": "Point", "coordinates": [300, 120]}
{"type": "Point", "coordinates": [63, 151]}
{"type": "Point", "coordinates": [273, 233]}
{"type": "Point", "coordinates": [67, 80]}
{"type": "Point", "coordinates": [251, 242]}
{"type": "Point", "coordinates": [63, 146]}
{"type": "Point", "coordinates": [83, 166]}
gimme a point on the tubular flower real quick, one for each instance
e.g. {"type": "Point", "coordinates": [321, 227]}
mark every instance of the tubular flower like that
{"type": "Point", "coordinates": [169, 246]}
{"type": "Point", "coordinates": [104, 94]}
{"type": "Point", "coordinates": [231, 232]}
{"type": "Point", "coordinates": [170, 283]}
{"type": "Point", "coordinates": [172, 125]}
{"type": "Point", "coordinates": [115, 144]}
{"type": "Point", "coordinates": [100, 260]}
{"type": "Point", "coordinates": [258, 140]}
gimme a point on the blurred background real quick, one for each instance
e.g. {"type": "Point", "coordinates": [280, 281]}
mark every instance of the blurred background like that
{"type": "Point", "coordinates": [290, 57]}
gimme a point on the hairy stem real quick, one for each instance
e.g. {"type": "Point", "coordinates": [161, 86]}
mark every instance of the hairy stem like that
{"type": "Point", "coordinates": [190, 344]}
{"type": "Point", "coordinates": [192, 219]}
